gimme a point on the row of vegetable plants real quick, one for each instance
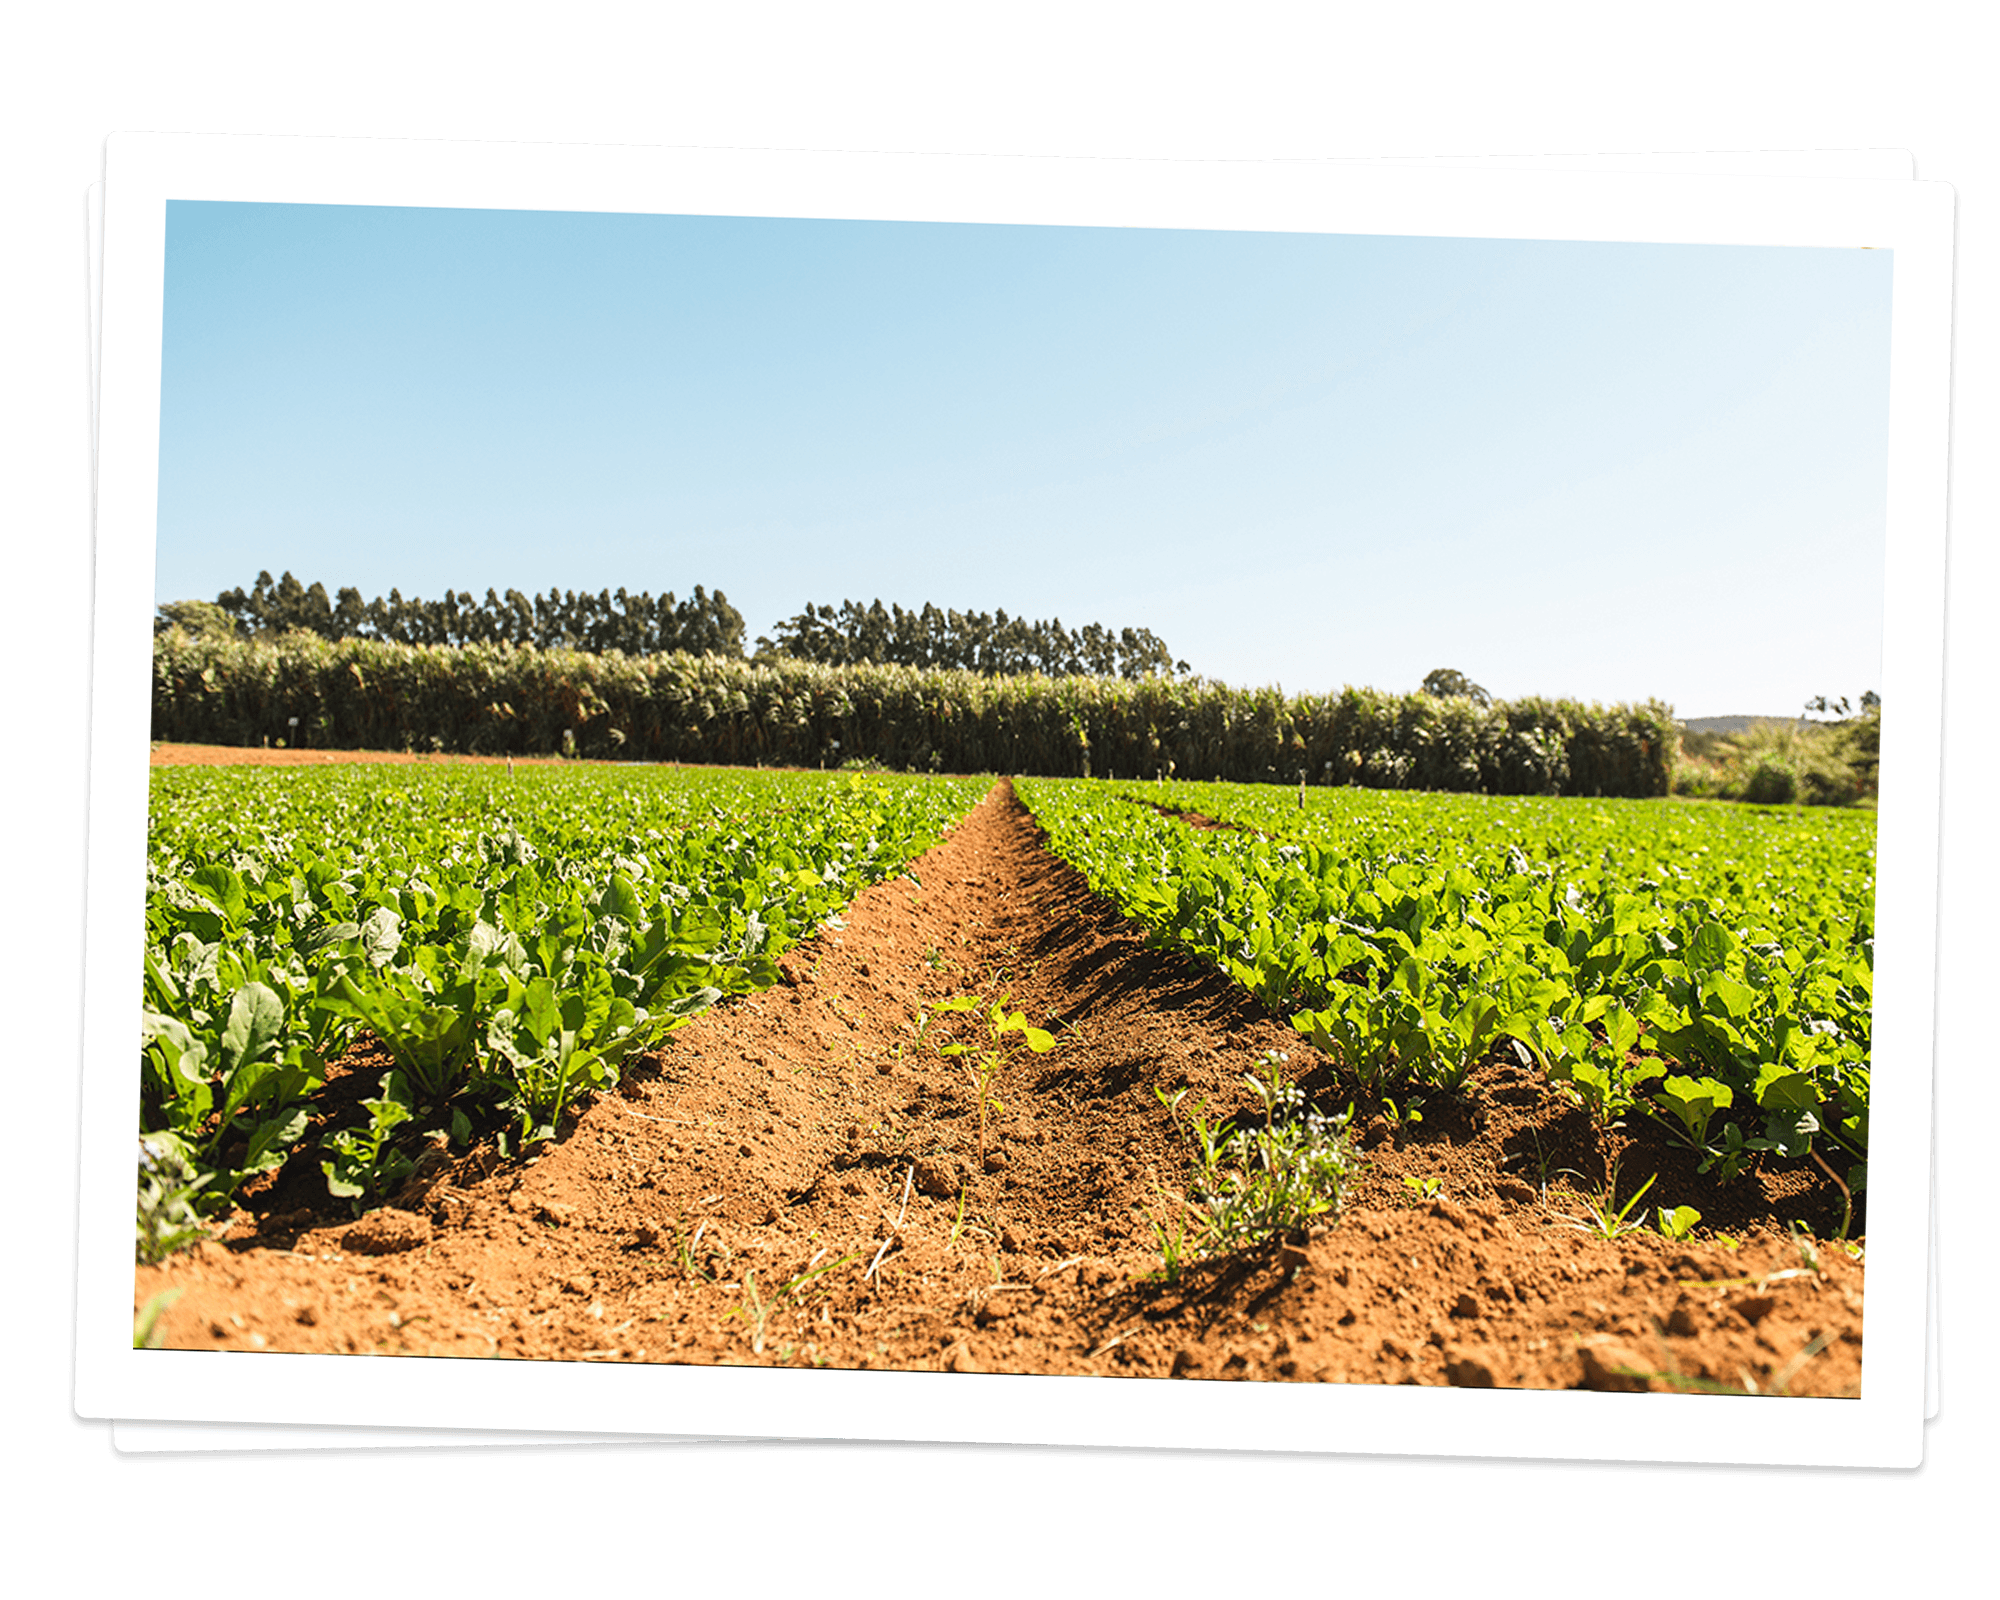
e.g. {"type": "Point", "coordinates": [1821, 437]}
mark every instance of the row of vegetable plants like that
{"type": "Point", "coordinates": [509, 938]}
{"type": "Point", "coordinates": [1710, 967]}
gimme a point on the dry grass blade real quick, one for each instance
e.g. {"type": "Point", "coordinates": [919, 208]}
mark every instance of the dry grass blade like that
{"type": "Point", "coordinates": [1781, 1380]}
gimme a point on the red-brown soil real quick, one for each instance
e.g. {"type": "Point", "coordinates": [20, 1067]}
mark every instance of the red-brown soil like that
{"type": "Point", "coordinates": [1194, 819]}
{"type": "Point", "coordinates": [794, 1178]}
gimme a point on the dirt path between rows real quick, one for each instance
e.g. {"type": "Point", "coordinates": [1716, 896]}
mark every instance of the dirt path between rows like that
{"type": "Point", "coordinates": [795, 1179]}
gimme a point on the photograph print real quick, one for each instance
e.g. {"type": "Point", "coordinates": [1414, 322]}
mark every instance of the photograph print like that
{"type": "Point", "coordinates": [983, 798]}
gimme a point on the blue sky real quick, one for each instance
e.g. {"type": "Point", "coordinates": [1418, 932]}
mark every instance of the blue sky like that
{"type": "Point", "coordinates": [1607, 471]}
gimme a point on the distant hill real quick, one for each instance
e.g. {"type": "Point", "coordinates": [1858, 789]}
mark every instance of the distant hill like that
{"type": "Point", "coordinates": [1727, 724]}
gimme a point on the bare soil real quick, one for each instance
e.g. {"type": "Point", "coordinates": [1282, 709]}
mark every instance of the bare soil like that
{"type": "Point", "coordinates": [795, 1178]}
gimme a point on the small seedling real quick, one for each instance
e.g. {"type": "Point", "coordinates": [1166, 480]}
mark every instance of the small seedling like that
{"type": "Point", "coordinates": [756, 1310]}
{"type": "Point", "coordinates": [1251, 1184]}
{"type": "Point", "coordinates": [1604, 1216]}
{"type": "Point", "coordinates": [1734, 1152]}
{"type": "Point", "coordinates": [1424, 1188]}
{"type": "Point", "coordinates": [1171, 1235]}
{"type": "Point", "coordinates": [1541, 1163]}
{"type": "Point", "coordinates": [1068, 1027]}
{"type": "Point", "coordinates": [146, 1326]}
{"type": "Point", "coordinates": [753, 1310]}
{"type": "Point", "coordinates": [1679, 1222]}
{"type": "Point", "coordinates": [168, 1191]}
{"type": "Point", "coordinates": [1781, 1380]}
{"type": "Point", "coordinates": [983, 1065]}
{"type": "Point", "coordinates": [691, 1261]}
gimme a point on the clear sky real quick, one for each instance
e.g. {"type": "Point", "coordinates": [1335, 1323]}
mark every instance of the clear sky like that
{"type": "Point", "coordinates": [1607, 471]}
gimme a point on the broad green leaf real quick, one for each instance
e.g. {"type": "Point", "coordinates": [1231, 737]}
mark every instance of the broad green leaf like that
{"type": "Point", "coordinates": [1781, 1090]}
{"type": "Point", "coordinates": [621, 900]}
{"type": "Point", "coordinates": [1736, 999]}
{"type": "Point", "coordinates": [1692, 1098]}
{"type": "Point", "coordinates": [381, 936]}
{"type": "Point", "coordinates": [1790, 1131]}
{"type": "Point", "coordinates": [274, 1134]}
{"type": "Point", "coordinates": [256, 1015]}
{"type": "Point", "coordinates": [539, 1011]}
{"type": "Point", "coordinates": [1659, 1012]}
{"type": "Point", "coordinates": [223, 888]}
{"type": "Point", "coordinates": [482, 944]}
{"type": "Point", "coordinates": [1711, 946]}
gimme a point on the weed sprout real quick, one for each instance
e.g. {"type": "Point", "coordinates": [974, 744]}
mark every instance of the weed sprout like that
{"type": "Point", "coordinates": [1253, 1184]}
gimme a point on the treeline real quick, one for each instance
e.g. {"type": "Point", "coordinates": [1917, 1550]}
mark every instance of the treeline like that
{"type": "Point", "coordinates": [498, 699]}
{"type": "Point", "coordinates": [562, 619]}
{"type": "Point", "coordinates": [993, 645]}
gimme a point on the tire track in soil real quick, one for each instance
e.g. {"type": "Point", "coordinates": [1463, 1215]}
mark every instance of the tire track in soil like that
{"type": "Point", "coordinates": [793, 1178]}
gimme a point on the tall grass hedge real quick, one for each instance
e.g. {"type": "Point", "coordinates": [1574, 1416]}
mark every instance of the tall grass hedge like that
{"type": "Point", "coordinates": [501, 699]}
{"type": "Point", "coordinates": [1786, 763]}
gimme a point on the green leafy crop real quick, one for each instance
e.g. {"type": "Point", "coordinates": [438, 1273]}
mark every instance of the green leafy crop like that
{"type": "Point", "coordinates": [510, 939]}
{"type": "Point", "coordinates": [1710, 967]}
